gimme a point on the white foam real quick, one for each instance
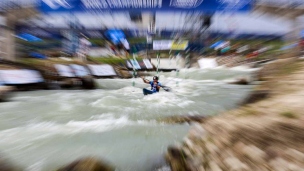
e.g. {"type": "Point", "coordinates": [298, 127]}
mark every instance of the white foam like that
{"type": "Point", "coordinates": [37, 166]}
{"type": "Point", "coordinates": [244, 68]}
{"type": "Point", "coordinates": [27, 134]}
{"type": "Point", "coordinates": [165, 99]}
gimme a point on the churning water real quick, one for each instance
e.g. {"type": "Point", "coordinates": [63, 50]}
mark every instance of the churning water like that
{"type": "Point", "coordinates": [43, 130]}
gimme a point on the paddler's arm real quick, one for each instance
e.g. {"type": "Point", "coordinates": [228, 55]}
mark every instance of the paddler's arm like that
{"type": "Point", "coordinates": [145, 80]}
{"type": "Point", "coordinates": [159, 86]}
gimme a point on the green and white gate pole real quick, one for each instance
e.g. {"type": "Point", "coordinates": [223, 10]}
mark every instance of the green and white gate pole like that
{"type": "Point", "coordinates": [158, 62]}
{"type": "Point", "coordinates": [134, 69]}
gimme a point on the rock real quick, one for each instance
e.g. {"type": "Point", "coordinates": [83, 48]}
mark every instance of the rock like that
{"type": "Point", "coordinates": [67, 83]}
{"type": "Point", "coordinates": [213, 149]}
{"type": "Point", "coordinates": [295, 155]}
{"type": "Point", "coordinates": [88, 82]}
{"type": "Point", "coordinates": [254, 153]}
{"type": "Point", "coordinates": [235, 164]}
{"type": "Point", "coordinates": [123, 73]}
{"type": "Point", "coordinates": [273, 68]}
{"type": "Point", "coordinates": [6, 165]}
{"type": "Point", "coordinates": [214, 167]}
{"type": "Point", "coordinates": [5, 93]}
{"type": "Point", "coordinates": [197, 132]}
{"type": "Point", "coordinates": [240, 81]}
{"type": "Point", "coordinates": [88, 164]}
{"type": "Point", "coordinates": [255, 96]}
{"type": "Point", "coordinates": [279, 164]}
{"type": "Point", "coordinates": [177, 159]}
{"type": "Point", "coordinates": [183, 119]}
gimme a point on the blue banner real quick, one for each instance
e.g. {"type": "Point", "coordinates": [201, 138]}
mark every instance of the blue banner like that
{"type": "Point", "coordinates": [142, 5]}
{"type": "Point", "coordinates": [115, 36]}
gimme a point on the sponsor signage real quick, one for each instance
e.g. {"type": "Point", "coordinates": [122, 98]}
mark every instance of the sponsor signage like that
{"type": "Point", "coordinates": [102, 70]}
{"type": "Point", "coordinates": [80, 70]}
{"type": "Point", "coordinates": [179, 45]}
{"type": "Point", "coordinates": [162, 44]}
{"type": "Point", "coordinates": [150, 5]}
{"type": "Point", "coordinates": [141, 64]}
{"type": "Point", "coordinates": [64, 70]}
{"type": "Point", "coordinates": [169, 45]}
{"type": "Point", "coordinates": [23, 76]}
{"type": "Point", "coordinates": [148, 64]}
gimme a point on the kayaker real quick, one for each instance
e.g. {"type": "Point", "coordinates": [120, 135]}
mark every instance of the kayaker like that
{"type": "Point", "coordinates": [155, 85]}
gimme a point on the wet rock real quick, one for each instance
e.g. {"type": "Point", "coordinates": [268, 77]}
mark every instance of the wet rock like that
{"type": "Point", "coordinates": [67, 83]}
{"type": "Point", "coordinates": [177, 159]}
{"type": "Point", "coordinates": [88, 82]}
{"type": "Point", "coordinates": [88, 164]}
{"type": "Point", "coordinates": [240, 81]}
{"type": "Point", "coordinates": [123, 73]}
{"type": "Point", "coordinates": [5, 93]}
{"type": "Point", "coordinates": [197, 132]}
{"type": "Point", "coordinates": [183, 119]}
{"type": "Point", "coordinates": [255, 96]}
{"type": "Point", "coordinates": [7, 165]}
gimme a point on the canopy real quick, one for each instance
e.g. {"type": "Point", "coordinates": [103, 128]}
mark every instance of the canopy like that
{"type": "Point", "coordinates": [28, 37]}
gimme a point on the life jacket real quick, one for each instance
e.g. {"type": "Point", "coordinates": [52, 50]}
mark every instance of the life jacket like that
{"type": "Point", "coordinates": [154, 86]}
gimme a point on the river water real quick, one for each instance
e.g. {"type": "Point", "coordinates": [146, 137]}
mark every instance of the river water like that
{"type": "Point", "coordinates": [43, 130]}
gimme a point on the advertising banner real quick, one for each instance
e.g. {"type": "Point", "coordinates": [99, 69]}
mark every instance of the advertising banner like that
{"type": "Point", "coordinates": [141, 64]}
{"type": "Point", "coordinates": [148, 64]}
{"type": "Point", "coordinates": [179, 45]}
{"type": "Point", "coordinates": [140, 5]}
{"type": "Point", "coordinates": [169, 45]}
{"type": "Point", "coordinates": [162, 44]}
{"type": "Point", "coordinates": [64, 70]}
{"type": "Point", "coordinates": [102, 70]}
{"type": "Point", "coordinates": [23, 76]}
{"type": "Point", "coordinates": [134, 64]}
{"type": "Point", "coordinates": [80, 70]}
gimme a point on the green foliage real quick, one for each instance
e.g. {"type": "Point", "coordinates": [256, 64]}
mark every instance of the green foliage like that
{"type": "Point", "coordinates": [289, 115]}
{"type": "Point", "coordinates": [109, 60]}
{"type": "Point", "coordinates": [98, 42]}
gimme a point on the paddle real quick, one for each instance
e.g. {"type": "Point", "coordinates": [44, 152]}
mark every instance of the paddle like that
{"type": "Point", "coordinates": [168, 89]}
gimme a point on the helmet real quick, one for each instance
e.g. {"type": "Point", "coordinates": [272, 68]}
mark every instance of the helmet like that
{"type": "Point", "coordinates": [155, 78]}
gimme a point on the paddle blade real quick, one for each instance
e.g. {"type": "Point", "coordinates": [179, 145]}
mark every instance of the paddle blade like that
{"type": "Point", "coordinates": [166, 88]}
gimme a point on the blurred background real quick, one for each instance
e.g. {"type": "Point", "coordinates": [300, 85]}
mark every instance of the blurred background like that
{"type": "Point", "coordinates": [84, 59]}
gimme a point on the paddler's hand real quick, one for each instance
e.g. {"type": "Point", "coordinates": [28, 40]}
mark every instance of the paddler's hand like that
{"type": "Point", "coordinates": [145, 80]}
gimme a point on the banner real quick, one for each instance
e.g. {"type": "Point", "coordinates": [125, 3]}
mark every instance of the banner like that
{"type": "Point", "coordinates": [162, 44]}
{"type": "Point", "coordinates": [64, 70]}
{"type": "Point", "coordinates": [80, 70]}
{"type": "Point", "coordinates": [139, 5]}
{"type": "Point", "coordinates": [169, 45]}
{"type": "Point", "coordinates": [134, 64]}
{"type": "Point", "coordinates": [102, 70]}
{"type": "Point", "coordinates": [148, 64]}
{"type": "Point", "coordinates": [115, 35]}
{"type": "Point", "coordinates": [23, 76]}
{"type": "Point", "coordinates": [179, 45]}
{"type": "Point", "coordinates": [141, 64]}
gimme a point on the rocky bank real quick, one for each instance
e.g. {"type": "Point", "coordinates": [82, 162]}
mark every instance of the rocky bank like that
{"type": "Point", "coordinates": [265, 134]}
